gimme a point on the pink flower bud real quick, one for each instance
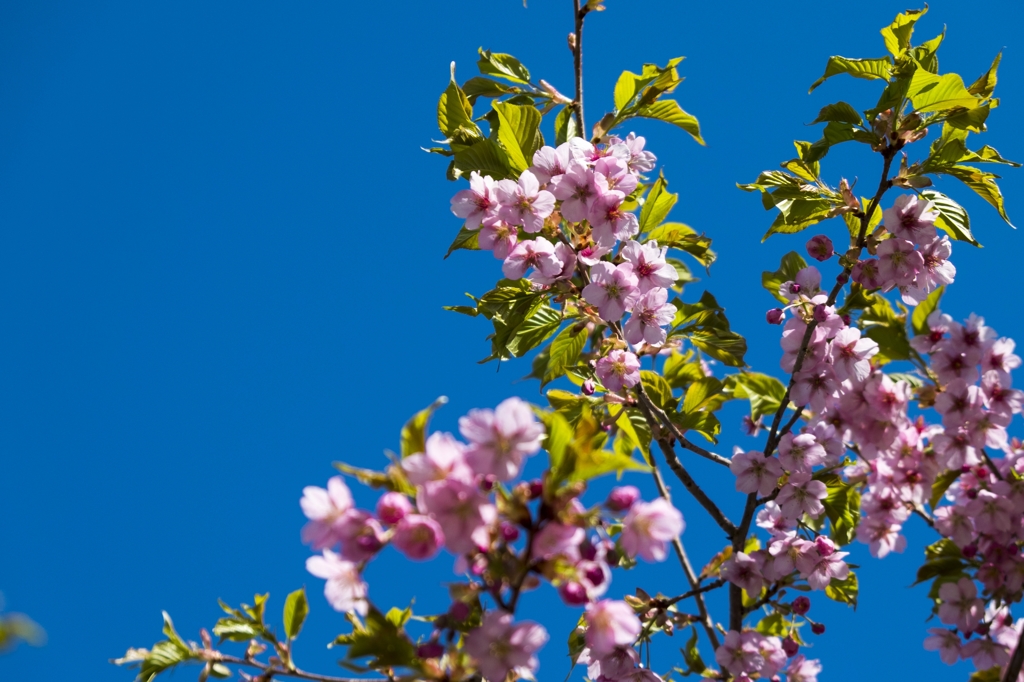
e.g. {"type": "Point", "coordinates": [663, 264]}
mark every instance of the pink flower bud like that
{"type": "Point", "coordinates": [622, 498]}
{"type": "Point", "coordinates": [588, 387]}
{"type": "Point", "coordinates": [970, 551]}
{"type": "Point", "coordinates": [487, 483]}
{"type": "Point", "coordinates": [458, 611]}
{"type": "Point", "coordinates": [818, 628]}
{"type": "Point", "coordinates": [509, 532]}
{"type": "Point", "coordinates": [824, 545]}
{"type": "Point", "coordinates": [594, 576]}
{"type": "Point", "coordinates": [774, 316]}
{"type": "Point", "coordinates": [536, 489]}
{"type": "Point", "coordinates": [801, 605]}
{"type": "Point", "coordinates": [430, 650]}
{"type": "Point", "coordinates": [790, 647]}
{"type": "Point", "coordinates": [819, 247]}
{"type": "Point", "coordinates": [587, 550]}
{"type": "Point", "coordinates": [393, 507]}
{"type": "Point", "coordinates": [418, 537]}
{"type": "Point", "coordinates": [820, 312]}
{"type": "Point", "coordinates": [573, 594]}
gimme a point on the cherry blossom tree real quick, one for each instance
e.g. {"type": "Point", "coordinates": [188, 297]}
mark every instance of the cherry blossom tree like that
{"type": "Point", "coordinates": [888, 407]}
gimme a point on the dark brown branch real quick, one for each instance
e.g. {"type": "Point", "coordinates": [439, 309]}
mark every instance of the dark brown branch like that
{"type": "Point", "coordinates": [577, 62]}
{"type": "Point", "coordinates": [1013, 669]}
{"type": "Point", "coordinates": [284, 672]}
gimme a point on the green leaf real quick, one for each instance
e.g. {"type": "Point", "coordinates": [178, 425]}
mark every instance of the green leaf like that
{"type": "Point", "coordinates": [565, 125]}
{"type": "Point", "coordinates": [919, 319]}
{"type": "Point", "coordinates": [557, 438]}
{"type": "Point", "coordinates": [235, 630]}
{"type": "Point", "coordinates": [993, 674]}
{"type": "Point", "coordinates": [797, 215]}
{"type": "Point", "coordinates": [485, 87]}
{"type": "Point", "coordinates": [455, 115]}
{"type": "Point", "coordinates": [414, 433]}
{"type": "Point", "coordinates": [502, 66]}
{"type": "Point", "coordinates": [887, 329]}
{"type": "Point", "coordinates": [519, 133]}
{"type": "Point", "coordinates": [897, 35]}
{"type": "Point", "coordinates": [840, 112]}
{"type": "Point", "coordinates": [658, 389]}
{"type": "Point", "coordinates": [658, 204]}
{"type": "Point", "coordinates": [703, 394]}
{"type": "Point", "coordinates": [691, 655]}
{"type": "Point", "coordinates": [684, 238]}
{"type": "Point", "coordinates": [943, 566]}
{"type": "Point", "coordinates": [870, 69]}
{"type": "Point", "coordinates": [669, 111]}
{"type": "Point", "coordinates": [982, 183]}
{"type": "Point", "coordinates": [484, 157]}
{"type": "Point", "coordinates": [941, 485]}
{"type": "Point", "coordinates": [764, 392]}
{"type": "Point", "coordinates": [632, 422]}
{"type": "Point", "coordinates": [727, 347]}
{"type": "Point", "coordinates": [465, 239]}
{"type": "Point", "coordinates": [842, 505]}
{"type": "Point", "coordinates": [381, 639]}
{"type": "Point", "coordinates": [564, 352]}
{"type": "Point", "coordinates": [930, 92]}
{"type": "Point", "coordinates": [986, 83]}
{"type": "Point", "coordinates": [953, 218]}
{"type": "Point", "coordinates": [791, 264]}
{"type": "Point", "coordinates": [843, 591]}
{"type": "Point", "coordinates": [296, 608]}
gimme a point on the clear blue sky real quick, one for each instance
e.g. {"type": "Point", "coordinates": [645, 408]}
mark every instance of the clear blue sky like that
{"type": "Point", "coordinates": [220, 270]}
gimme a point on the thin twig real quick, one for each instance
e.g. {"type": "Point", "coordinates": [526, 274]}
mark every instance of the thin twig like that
{"type": "Point", "coordinates": [691, 576]}
{"type": "Point", "coordinates": [677, 433]}
{"type": "Point", "coordinates": [691, 485]}
{"type": "Point", "coordinates": [713, 585]}
{"type": "Point", "coordinates": [1013, 669]}
{"type": "Point", "coordinates": [283, 672]}
{"type": "Point", "coordinates": [577, 62]}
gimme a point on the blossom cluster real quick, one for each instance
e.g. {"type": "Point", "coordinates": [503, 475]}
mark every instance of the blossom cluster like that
{"type": "Point", "coordinates": [966, 370]}
{"type": "Point", "coordinates": [452, 506]}
{"type": "Point", "coordinates": [914, 259]}
{"type": "Point", "coordinates": [749, 652]}
{"type": "Point", "coordinates": [589, 187]}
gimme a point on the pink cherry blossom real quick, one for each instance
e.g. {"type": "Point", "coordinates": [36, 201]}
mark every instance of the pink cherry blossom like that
{"type": "Point", "coordinates": [911, 218]}
{"type": "Point", "coordinates": [800, 453]}
{"type": "Point", "coordinates": [328, 512]}
{"type": "Point", "coordinates": [801, 669]}
{"type": "Point", "coordinates": [866, 274]}
{"type": "Point", "coordinates": [615, 666]}
{"type": "Point", "coordinates": [611, 173]}
{"type": "Point", "coordinates": [743, 570]}
{"type": "Point", "coordinates": [576, 190]}
{"type": "Point", "coordinates": [498, 237]}
{"type": "Point", "coordinates": [567, 257]}
{"type": "Point", "coordinates": [820, 248]}
{"type": "Point", "coordinates": [985, 654]}
{"type": "Point", "coordinates": [754, 472]}
{"type": "Point", "coordinates": [955, 524]}
{"type": "Point", "coordinates": [649, 527]}
{"type": "Point", "coordinates": [739, 655]}
{"type": "Point", "coordinates": [819, 563]}
{"type": "Point", "coordinates": [612, 288]}
{"type": "Point", "coordinates": [499, 440]}
{"type": "Point", "coordinates": [524, 203]}
{"type": "Point", "coordinates": [592, 254]}
{"type": "Point", "coordinates": [462, 511]}
{"type": "Point", "coordinates": [418, 537]}
{"type": "Point", "coordinates": [851, 354]}
{"type": "Point", "coordinates": [610, 624]}
{"type": "Point", "coordinates": [898, 262]}
{"type": "Point", "coordinates": [558, 539]}
{"type": "Point", "coordinates": [1000, 358]}
{"type": "Point", "coordinates": [651, 312]}
{"type": "Point", "coordinates": [549, 162]}
{"type": "Point", "coordinates": [936, 270]}
{"type": "Point", "coordinates": [801, 495]}
{"type": "Point", "coordinates": [640, 161]}
{"type": "Point", "coordinates": [345, 590]}
{"type": "Point", "coordinates": [960, 605]}
{"type": "Point", "coordinates": [477, 202]}
{"type": "Point", "coordinates": [536, 253]}
{"type": "Point", "coordinates": [499, 646]}
{"type": "Point", "coordinates": [946, 642]}
{"type": "Point", "coordinates": [881, 535]}
{"type": "Point", "coordinates": [443, 458]}
{"type": "Point", "coordinates": [617, 370]}
{"type": "Point", "coordinates": [649, 265]}
{"type": "Point", "coordinates": [609, 221]}
{"type": "Point", "coordinates": [815, 385]}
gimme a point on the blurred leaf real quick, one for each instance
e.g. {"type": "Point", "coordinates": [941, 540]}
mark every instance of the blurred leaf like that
{"type": "Point", "coordinates": [414, 433]}
{"type": "Point", "coordinates": [380, 639]}
{"type": "Point", "coordinates": [465, 239]}
{"type": "Point", "coordinates": [565, 125]}
{"type": "Point", "coordinates": [842, 505]}
{"type": "Point", "coordinates": [843, 591]}
{"type": "Point", "coordinates": [296, 608]}
{"type": "Point", "coordinates": [941, 485]}
{"type": "Point", "coordinates": [919, 319]}
{"type": "Point", "coordinates": [764, 392]}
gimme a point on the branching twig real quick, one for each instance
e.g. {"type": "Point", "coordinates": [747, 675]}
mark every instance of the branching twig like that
{"type": "Point", "coordinates": [691, 576]}
{"type": "Point", "coordinates": [283, 672]}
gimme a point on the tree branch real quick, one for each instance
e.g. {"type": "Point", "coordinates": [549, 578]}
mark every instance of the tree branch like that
{"type": "Point", "coordinates": [283, 672]}
{"type": "Point", "coordinates": [1013, 669]}
{"type": "Point", "coordinates": [691, 576]}
{"type": "Point", "coordinates": [577, 62]}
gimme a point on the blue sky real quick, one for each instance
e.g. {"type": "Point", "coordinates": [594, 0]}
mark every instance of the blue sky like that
{"type": "Point", "coordinates": [220, 270]}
